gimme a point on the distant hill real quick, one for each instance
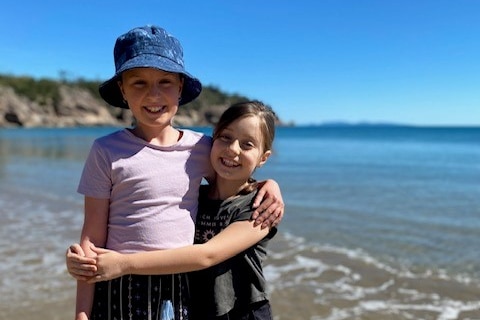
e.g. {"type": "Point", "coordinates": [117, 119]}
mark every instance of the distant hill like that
{"type": "Point", "coordinates": [361, 124]}
{"type": "Point", "coordinates": [29, 102]}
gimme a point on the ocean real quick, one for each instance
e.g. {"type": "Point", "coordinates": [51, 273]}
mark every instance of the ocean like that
{"type": "Point", "coordinates": [381, 222]}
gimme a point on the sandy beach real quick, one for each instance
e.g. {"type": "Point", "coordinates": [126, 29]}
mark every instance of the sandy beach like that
{"type": "Point", "coordinates": [335, 287]}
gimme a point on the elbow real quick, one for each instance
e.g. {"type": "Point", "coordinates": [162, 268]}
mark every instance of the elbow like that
{"type": "Point", "coordinates": [208, 257]}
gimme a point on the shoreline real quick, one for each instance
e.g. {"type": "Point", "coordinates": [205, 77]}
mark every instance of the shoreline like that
{"type": "Point", "coordinates": [294, 303]}
{"type": "Point", "coordinates": [319, 285]}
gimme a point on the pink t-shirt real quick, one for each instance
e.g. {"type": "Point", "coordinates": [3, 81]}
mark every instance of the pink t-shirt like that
{"type": "Point", "coordinates": [153, 190]}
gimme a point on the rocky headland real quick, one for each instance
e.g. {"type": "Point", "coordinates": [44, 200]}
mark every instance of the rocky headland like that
{"type": "Point", "coordinates": [26, 102]}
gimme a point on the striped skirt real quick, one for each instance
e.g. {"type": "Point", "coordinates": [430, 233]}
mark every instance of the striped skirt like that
{"type": "Point", "coordinates": [135, 297]}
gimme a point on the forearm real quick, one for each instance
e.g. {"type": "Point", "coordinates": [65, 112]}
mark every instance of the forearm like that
{"type": "Point", "coordinates": [236, 238]}
{"type": "Point", "coordinates": [84, 300]}
{"type": "Point", "coordinates": [94, 231]}
{"type": "Point", "coordinates": [190, 258]}
{"type": "Point", "coordinates": [85, 291]}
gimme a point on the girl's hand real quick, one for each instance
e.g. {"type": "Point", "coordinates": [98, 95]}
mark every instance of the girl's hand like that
{"type": "Point", "coordinates": [269, 206]}
{"type": "Point", "coordinates": [109, 265]}
{"type": "Point", "coordinates": [78, 265]}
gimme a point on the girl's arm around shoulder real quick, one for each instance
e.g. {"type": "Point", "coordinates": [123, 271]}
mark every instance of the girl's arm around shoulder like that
{"type": "Point", "coordinates": [234, 239]}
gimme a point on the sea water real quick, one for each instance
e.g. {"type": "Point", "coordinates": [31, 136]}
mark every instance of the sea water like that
{"type": "Point", "coordinates": [381, 222]}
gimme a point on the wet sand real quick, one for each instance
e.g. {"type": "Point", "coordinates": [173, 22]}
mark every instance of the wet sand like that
{"type": "Point", "coordinates": [345, 289]}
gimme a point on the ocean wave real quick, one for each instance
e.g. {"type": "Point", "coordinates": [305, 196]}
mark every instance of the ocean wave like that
{"type": "Point", "coordinates": [343, 284]}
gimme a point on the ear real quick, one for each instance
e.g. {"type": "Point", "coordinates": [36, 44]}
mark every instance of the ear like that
{"type": "Point", "coordinates": [264, 158]}
{"type": "Point", "coordinates": [120, 86]}
{"type": "Point", "coordinates": [182, 81]}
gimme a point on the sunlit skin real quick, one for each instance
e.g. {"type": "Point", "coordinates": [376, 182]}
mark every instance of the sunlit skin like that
{"type": "Point", "coordinates": [236, 152]}
{"type": "Point", "coordinates": [152, 96]}
{"type": "Point", "coordinates": [235, 155]}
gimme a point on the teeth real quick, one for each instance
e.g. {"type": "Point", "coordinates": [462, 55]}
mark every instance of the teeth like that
{"type": "Point", "coordinates": [229, 163]}
{"type": "Point", "coordinates": [153, 109]}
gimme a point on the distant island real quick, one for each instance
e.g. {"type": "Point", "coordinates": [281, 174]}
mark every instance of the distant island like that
{"type": "Point", "coordinates": [360, 124]}
{"type": "Point", "coordinates": [29, 102]}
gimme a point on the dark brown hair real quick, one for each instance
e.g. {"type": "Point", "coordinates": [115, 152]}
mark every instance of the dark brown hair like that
{"type": "Point", "coordinates": [253, 108]}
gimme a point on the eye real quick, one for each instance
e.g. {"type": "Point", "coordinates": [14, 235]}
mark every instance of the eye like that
{"type": "Point", "coordinates": [247, 145]}
{"type": "Point", "coordinates": [138, 83]}
{"type": "Point", "coordinates": [166, 82]}
{"type": "Point", "coordinates": [225, 137]}
{"type": "Point", "coordinates": [168, 79]}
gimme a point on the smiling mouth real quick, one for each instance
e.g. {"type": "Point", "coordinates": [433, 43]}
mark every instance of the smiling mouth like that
{"type": "Point", "coordinates": [154, 109]}
{"type": "Point", "coordinates": [229, 163]}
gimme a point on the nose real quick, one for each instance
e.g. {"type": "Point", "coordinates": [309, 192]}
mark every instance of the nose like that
{"type": "Point", "coordinates": [234, 147]}
{"type": "Point", "coordinates": [155, 90]}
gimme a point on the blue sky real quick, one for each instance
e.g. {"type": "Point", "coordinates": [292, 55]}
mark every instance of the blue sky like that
{"type": "Point", "coordinates": [413, 62]}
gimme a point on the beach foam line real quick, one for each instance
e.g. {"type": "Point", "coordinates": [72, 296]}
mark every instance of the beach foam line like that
{"type": "Point", "coordinates": [346, 284]}
{"type": "Point", "coordinates": [292, 245]}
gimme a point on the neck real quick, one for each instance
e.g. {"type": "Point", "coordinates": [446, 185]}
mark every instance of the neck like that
{"type": "Point", "coordinates": [224, 189]}
{"type": "Point", "coordinates": [165, 136]}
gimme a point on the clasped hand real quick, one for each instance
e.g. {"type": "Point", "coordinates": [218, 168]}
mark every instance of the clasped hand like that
{"type": "Point", "coordinates": [106, 265]}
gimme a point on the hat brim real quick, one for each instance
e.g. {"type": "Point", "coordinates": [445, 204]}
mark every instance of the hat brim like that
{"type": "Point", "coordinates": [110, 91]}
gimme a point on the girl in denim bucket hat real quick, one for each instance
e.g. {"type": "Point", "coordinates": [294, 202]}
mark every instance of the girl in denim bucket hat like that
{"type": "Point", "coordinates": [148, 47]}
{"type": "Point", "coordinates": [141, 184]}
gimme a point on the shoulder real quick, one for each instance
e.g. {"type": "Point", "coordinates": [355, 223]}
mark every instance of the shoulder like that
{"type": "Point", "coordinates": [119, 135]}
{"type": "Point", "coordinates": [196, 137]}
{"type": "Point", "coordinates": [115, 144]}
{"type": "Point", "coordinates": [241, 206]}
{"type": "Point", "coordinates": [196, 143]}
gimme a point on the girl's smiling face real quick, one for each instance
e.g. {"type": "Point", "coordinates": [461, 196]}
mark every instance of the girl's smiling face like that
{"type": "Point", "coordinates": [238, 150]}
{"type": "Point", "coordinates": [152, 95]}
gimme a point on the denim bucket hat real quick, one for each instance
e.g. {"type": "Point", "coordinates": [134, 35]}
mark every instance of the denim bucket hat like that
{"type": "Point", "coordinates": [148, 47]}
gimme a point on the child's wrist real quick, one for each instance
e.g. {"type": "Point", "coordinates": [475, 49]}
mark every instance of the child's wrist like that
{"type": "Point", "coordinates": [127, 264]}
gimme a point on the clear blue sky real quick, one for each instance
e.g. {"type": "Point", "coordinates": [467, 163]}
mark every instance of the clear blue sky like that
{"type": "Point", "coordinates": [401, 61]}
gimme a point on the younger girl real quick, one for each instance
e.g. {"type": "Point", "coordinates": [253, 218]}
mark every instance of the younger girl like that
{"type": "Point", "coordinates": [234, 288]}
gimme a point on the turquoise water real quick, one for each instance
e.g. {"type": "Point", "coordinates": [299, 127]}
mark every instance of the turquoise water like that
{"type": "Point", "coordinates": [403, 200]}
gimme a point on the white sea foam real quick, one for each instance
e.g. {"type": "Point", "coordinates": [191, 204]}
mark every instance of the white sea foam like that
{"type": "Point", "coordinates": [302, 266]}
{"type": "Point", "coordinates": [34, 235]}
{"type": "Point", "coordinates": [448, 310]}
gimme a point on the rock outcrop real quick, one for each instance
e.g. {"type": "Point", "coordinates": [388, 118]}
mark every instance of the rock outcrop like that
{"type": "Point", "coordinates": [76, 106]}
